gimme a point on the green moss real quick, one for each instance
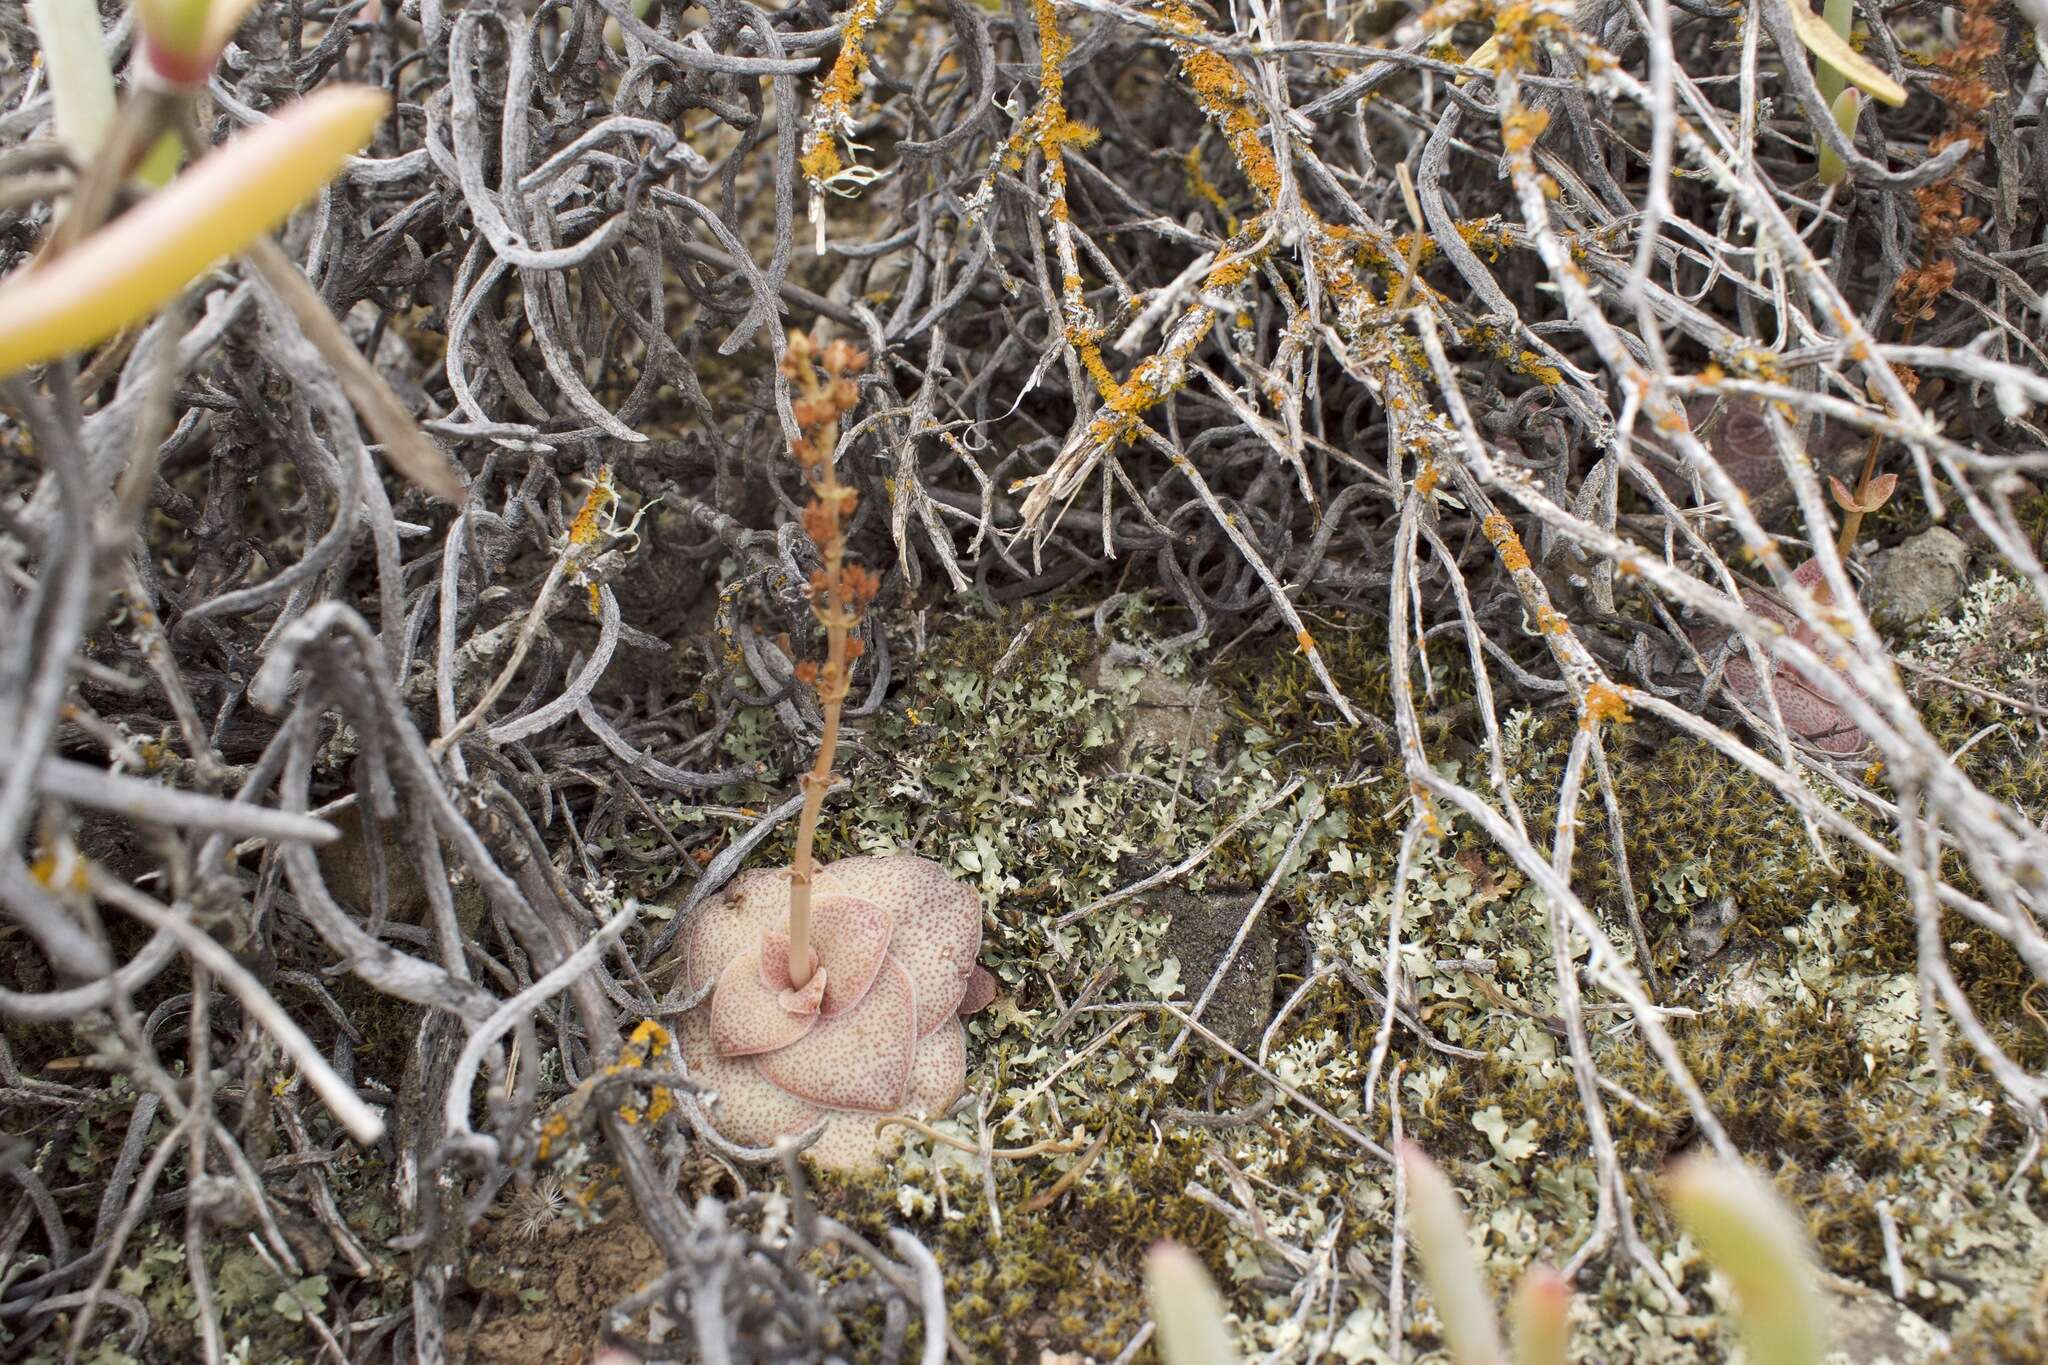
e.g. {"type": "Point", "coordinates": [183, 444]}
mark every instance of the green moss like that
{"type": "Point", "coordinates": [1065, 1279]}
{"type": "Point", "coordinates": [1698, 827]}
{"type": "Point", "coordinates": [2000, 1334]}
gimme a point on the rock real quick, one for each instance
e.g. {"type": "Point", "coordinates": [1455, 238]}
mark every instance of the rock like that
{"type": "Point", "coordinates": [1173, 714]}
{"type": "Point", "coordinates": [1870, 1329]}
{"type": "Point", "coordinates": [1198, 933]}
{"type": "Point", "coordinates": [345, 864]}
{"type": "Point", "coordinates": [1707, 928]}
{"type": "Point", "coordinates": [1918, 579]}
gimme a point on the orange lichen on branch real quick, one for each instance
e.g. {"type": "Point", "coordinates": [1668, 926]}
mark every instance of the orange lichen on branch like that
{"type": "Point", "coordinates": [837, 91]}
{"type": "Point", "coordinates": [1424, 806]}
{"type": "Point", "coordinates": [832, 117]}
{"type": "Point", "coordinates": [1533, 365]}
{"type": "Point", "coordinates": [1205, 191]}
{"type": "Point", "coordinates": [1604, 703]}
{"type": "Point", "coordinates": [65, 873]}
{"type": "Point", "coordinates": [1501, 532]}
{"type": "Point", "coordinates": [1229, 272]}
{"type": "Point", "coordinates": [647, 1044]}
{"type": "Point", "coordinates": [1519, 129]}
{"type": "Point", "coordinates": [589, 523]}
{"type": "Point", "coordinates": [1155, 378]}
{"type": "Point", "coordinates": [1088, 346]}
{"type": "Point", "coordinates": [1050, 125]}
{"type": "Point", "coordinates": [1225, 98]}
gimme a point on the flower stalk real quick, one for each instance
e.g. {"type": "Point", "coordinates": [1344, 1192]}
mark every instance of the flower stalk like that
{"type": "Point", "coordinates": [840, 594]}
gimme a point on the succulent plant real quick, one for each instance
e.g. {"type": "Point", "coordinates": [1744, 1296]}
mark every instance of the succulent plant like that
{"type": "Point", "coordinates": [873, 1030]}
{"type": "Point", "coordinates": [1808, 713]}
{"type": "Point", "coordinates": [1747, 1232]}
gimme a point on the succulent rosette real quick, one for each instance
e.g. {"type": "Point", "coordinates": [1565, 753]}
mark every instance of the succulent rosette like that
{"type": "Point", "coordinates": [875, 1029]}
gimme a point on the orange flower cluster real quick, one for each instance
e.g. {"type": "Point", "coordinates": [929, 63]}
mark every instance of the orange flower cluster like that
{"type": "Point", "coordinates": [840, 592]}
{"type": "Point", "coordinates": [824, 376]}
{"type": "Point", "coordinates": [1943, 219]}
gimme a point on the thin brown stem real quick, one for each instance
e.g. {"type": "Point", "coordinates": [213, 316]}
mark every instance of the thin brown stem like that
{"type": "Point", "coordinates": [1852, 519]}
{"type": "Point", "coordinates": [824, 398]}
{"type": "Point", "coordinates": [831, 695]}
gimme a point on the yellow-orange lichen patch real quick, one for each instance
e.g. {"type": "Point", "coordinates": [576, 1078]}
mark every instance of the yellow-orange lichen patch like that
{"type": "Point", "coordinates": [1203, 190]}
{"type": "Point", "coordinates": [589, 522]}
{"type": "Point", "coordinates": [1225, 98]}
{"type": "Point", "coordinates": [1533, 365]}
{"type": "Point", "coordinates": [1499, 530]}
{"type": "Point", "coordinates": [553, 1129]}
{"type": "Point", "coordinates": [1519, 129]}
{"type": "Point", "coordinates": [60, 874]}
{"type": "Point", "coordinates": [837, 91]}
{"type": "Point", "coordinates": [1604, 703]}
{"type": "Point", "coordinates": [1228, 272]}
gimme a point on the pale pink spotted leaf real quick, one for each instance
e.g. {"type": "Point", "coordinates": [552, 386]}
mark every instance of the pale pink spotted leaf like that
{"type": "Point", "coordinates": [747, 1108]}
{"type": "Point", "coordinates": [980, 993]}
{"type": "Point", "coordinates": [938, 925]}
{"type": "Point", "coordinates": [850, 936]}
{"type": "Point", "coordinates": [861, 1060]}
{"type": "Point", "coordinates": [747, 1015]}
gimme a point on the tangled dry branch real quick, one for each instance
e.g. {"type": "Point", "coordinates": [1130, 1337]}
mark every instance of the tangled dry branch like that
{"type": "Point", "coordinates": [1545, 358]}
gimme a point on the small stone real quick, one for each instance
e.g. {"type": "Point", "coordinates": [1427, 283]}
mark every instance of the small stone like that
{"type": "Point", "coordinates": [1918, 579]}
{"type": "Point", "coordinates": [1870, 1329]}
{"type": "Point", "coordinates": [1173, 715]}
{"type": "Point", "coordinates": [1707, 928]}
{"type": "Point", "coordinates": [346, 866]}
{"type": "Point", "coordinates": [1198, 933]}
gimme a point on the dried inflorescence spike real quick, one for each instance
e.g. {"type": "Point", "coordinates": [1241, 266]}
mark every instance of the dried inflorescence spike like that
{"type": "Point", "coordinates": [894, 939]}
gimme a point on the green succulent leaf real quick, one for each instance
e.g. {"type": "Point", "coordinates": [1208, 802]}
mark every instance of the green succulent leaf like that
{"type": "Point", "coordinates": [1187, 1309]}
{"type": "Point", "coordinates": [129, 268]}
{"type": "Point", "coordinates": [1754, 1240]}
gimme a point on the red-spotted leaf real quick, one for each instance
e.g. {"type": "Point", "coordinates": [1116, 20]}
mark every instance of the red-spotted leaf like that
{"type": "Point", "coordinates": [777, 977]}
{"type": "Point", "coordinates": [861, 1060]}
{"type": "Point", "coordinates": [850, 1142]}
{"type": "Point", "coordinates": [1809, 715]}
{"type": "Point", "coordinates": [938, 1072]}
{"type": "Point", "coordinates": [732, 923]}
{"type": "Point", "coordinates": [747, 1013]}
{"type": "Point", "coordinates": [1874, 495]}
{"type": "Point", "coordinates": [938, 925]}
{"type": "Point", "coordinates": [747, 1107]}
{"type": "Point", "coordinates": [981, 991]}
{"type": "Point", "coordinates": [850, 937]}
